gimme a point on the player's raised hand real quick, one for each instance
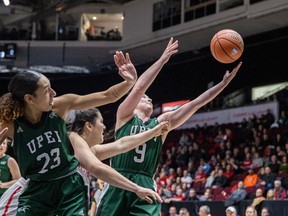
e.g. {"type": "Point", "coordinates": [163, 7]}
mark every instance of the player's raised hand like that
{"type": "Point", "coordinates": [229, 76]}
{"type": "Point", "coordinates": [148, 195]}
{"type": "Point", "coordinates": [126, 68]}
{"type": "Point", "coordinates": [169, 51]}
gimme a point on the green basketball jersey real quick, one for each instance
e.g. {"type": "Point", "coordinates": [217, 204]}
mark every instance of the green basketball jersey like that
{"type": "Point", "coordinates": [143, 159]}
{"type": "Point", "coordinates": [5, 175]}
{"type": "Point", "coordinates": [43, 150]}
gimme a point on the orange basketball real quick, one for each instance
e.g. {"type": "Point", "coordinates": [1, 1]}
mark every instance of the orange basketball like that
{"type": "Point", "coordinates": [227, 46]}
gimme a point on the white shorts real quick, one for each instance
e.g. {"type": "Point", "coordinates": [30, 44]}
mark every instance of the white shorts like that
{"type": "Point", "coordinates": [9, 200]}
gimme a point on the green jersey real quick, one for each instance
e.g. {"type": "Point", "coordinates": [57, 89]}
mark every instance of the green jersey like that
{"type": "Point", "coordinates": [43, 150]}
{"type": "Point", "coordinates": [5, 175]}
{"type": "Point", "coordinates": [143, 159]}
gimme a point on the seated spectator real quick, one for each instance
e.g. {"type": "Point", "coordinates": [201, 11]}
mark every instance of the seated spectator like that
{"type": "Point", "coordinates": [220, 180]}
{"type": "Point", "coordinates": [257, 161]}
{"type": "Point", "coordinates": [268, 179]}
{"type": "Point", "coordinates": [236, 196]}
{"type": "Point", "coordinates": [192, 195]}
{"type": "Point", "coordinates": [231, 211]}
{"type": "Point", "coordinates": [204, 211]}
{"type": "Point", "coordinates": [264, 211]}
{"type": "Point", "coordinates": [273, 164]}
{"type": "Point", "coordinates": [210, 179]}
{"type": "Point", "coordinates": [200, 176]}
{"type": "Point", "coordinates": [185, 139]}
{"type": "Point", "coordinates": [184, 212]}
{"type": "Point", "coordinates": [235, 165]}
{"type": "Point", "coordinates": [251, 179]}
{"type": "Point", "coordinates": [179, 196]}
{"type": "Point", "coordinates": [250, 211]}
{"type": "Point", "coordinates": [270, 195]}
{"type": "Point", "coordinates": [206, 166]}
{"type": "Point", "coordinates": [207, 195]}
{"type": "Point", "coordinates": [229, 172]}
{"type": "Point", "coordinates": [186, 178]}
{"type": "Point", "coordinates": [279, 192]}
{"type": "Point", "coordinates": [259, 197]}
{"type": "Point", "coordinates": [283, 168]}
{"type": "Point", "coordinates": [247, 163]}
{"type": "Point", "coordinates": [173, 211]}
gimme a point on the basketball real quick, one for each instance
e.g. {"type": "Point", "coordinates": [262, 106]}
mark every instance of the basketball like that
{"type": "Point", "coordinates": [227, 46]}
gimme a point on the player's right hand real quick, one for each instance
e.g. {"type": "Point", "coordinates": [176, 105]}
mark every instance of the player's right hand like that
{"type": "Point", "coordinates": [161, 128]}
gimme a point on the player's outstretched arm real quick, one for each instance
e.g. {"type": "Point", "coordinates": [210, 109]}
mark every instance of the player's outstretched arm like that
{"type": "Point", "coordinates": [127, 143]}
{"type": "Point", "coordinates": [127, 107]}
{"type": "Point", "coordinates": [89, 161]}
{"type": "Point", "coordinates": [179, 116]}
{"type": "Point", "coordinates": [73, 101]}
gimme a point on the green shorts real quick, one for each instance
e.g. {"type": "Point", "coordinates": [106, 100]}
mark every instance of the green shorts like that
{"type": "Point", "coordinates": [62, 197]}
{"type": "Point", "coordinates": [119, 202]}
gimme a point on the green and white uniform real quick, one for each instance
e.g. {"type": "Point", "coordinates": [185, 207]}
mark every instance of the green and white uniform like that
{"type": "Point", "coordinates": [45, 156]}
{"type": "Point", "coordinates": [139, 165]}
{"type": "Point", "coordinates": [5, 175]}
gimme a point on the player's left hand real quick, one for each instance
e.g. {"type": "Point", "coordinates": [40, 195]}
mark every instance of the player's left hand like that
{"type": "Point", "coordinates": [147, 194]}
{"type": "Point", "coordinates": [229, 76]}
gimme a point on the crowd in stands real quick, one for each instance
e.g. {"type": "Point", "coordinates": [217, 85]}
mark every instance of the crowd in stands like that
{"type": "Point", "coordinates": [231, 162]}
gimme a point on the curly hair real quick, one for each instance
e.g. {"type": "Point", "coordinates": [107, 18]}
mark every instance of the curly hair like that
{"type": "Point", "coordinates": [12, 103]}
{"type": "Point", "coordinates": [10, 108]}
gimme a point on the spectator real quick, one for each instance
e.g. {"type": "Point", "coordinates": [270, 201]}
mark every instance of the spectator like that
{"type": "Point", "coordinates": [173, 211]}
{"type": "Point", "coordinates": [186, 178]}
{"type": "Point", "coordinates": [247, 163]}
{"type": "Point", "coordinates": [273, 164]}
{"type": "Point", "coordinates": [220, 180]}
{"type": "Point", "coordinates": [258, 197]}
{"type": "Point", "coordinates": [192, 196]}
{"type": "Point", "coordinates": [270, 195]}
{"type": "Point", "coordinates": [206, 166]}
{"type": "Point", "coordinates": [251, 179]}
{"type": "Point", "coordinates": [236, 196]}
{"type": "Point", "coordinates": [264, 211]}
{"type": "Point", "coordinates": [231, 211]}
{"type": "Point", "coordinates": [184, 212]}
{"type": "Point", "coordinates": [210, 179]}
{"type": "Point", "coordinates": [207, 195]}
{"type": "Point", "coordinates": [204, 211]}
{"type": "Point", "coordinates": [185, 139]}
{"type": "Point", "coordinates": [257, 161]}
{"type": "Point", "coordinates": [179, 196]}
{"type": "Point", "coordinates": [200, 176]}
{"type": "Point", "coordinates": [229, 172]}
{"type": "Point", "coordinates": [268, 179]}
{"type": "Point", "coordinates": [250, 211]}
{"type": "Point", "coordinates": [279, 191]}
{"type": "Point", "coordinates": [283, 168]}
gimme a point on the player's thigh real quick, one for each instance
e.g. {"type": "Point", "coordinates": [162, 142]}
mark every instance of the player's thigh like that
{"type": "Point", "coordinates": [73, 199]}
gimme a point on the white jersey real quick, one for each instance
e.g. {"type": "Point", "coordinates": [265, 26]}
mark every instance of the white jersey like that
{"type": "Point", "coordinates": [9, 200]}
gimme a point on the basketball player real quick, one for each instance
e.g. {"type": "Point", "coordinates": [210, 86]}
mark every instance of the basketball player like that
{"type": "Point", "coordinates": [9, 169]}
{"type": "Point", "coordinates": [133, 116]}
{"type": "Point", "coordinates": [89, 125]}
{"type": "Point", "coordinates": [34, 119]}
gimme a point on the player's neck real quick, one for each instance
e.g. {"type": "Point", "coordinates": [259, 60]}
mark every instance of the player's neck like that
{"type": "Point", "coordinates": [144, 117]}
